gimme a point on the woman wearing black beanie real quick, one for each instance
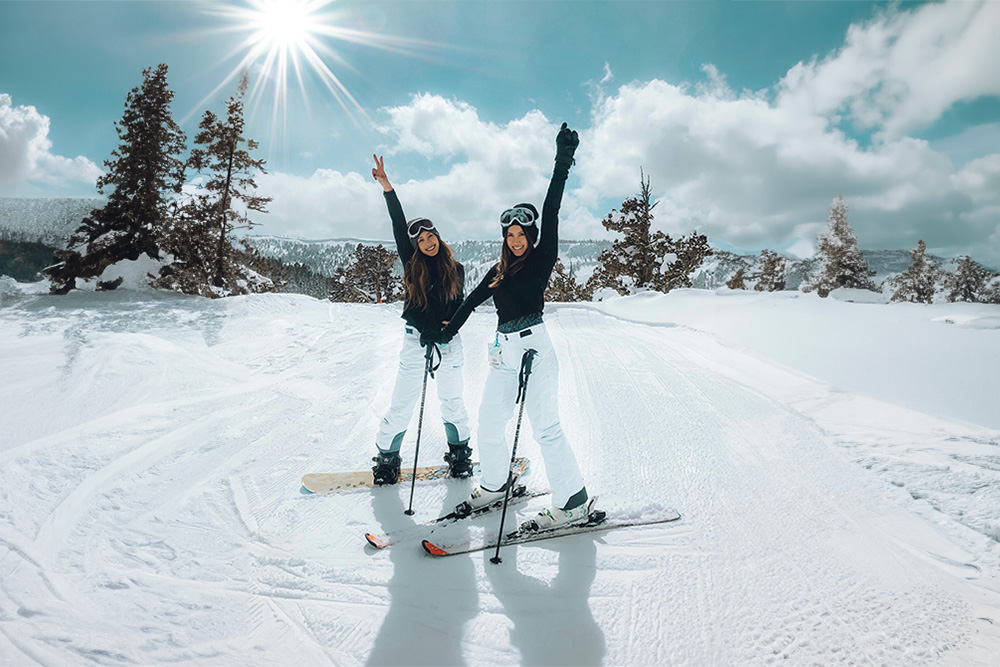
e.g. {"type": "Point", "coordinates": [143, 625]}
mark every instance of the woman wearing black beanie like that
{"type": "Point", "coordinates": [517, 284]}
{"type": "Point", "coordinates": [435, 285]}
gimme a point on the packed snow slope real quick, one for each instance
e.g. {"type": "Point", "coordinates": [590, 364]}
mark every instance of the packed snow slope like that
{"type": "Point", "coordinates": [152, 446]}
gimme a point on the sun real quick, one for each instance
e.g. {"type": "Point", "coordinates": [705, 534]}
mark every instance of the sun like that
{"type": "Point", "coordinates": [284, 40]}
{"type": "Point", "coordinates": [284, 24]}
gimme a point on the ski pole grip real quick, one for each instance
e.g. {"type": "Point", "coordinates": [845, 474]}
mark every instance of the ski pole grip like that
{"type": "Point", "coordinates": [529, 355]}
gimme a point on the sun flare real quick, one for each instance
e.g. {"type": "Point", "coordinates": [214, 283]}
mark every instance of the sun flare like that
{"type": "Point", "coordinates": [289, 43]}
{"type": "Point", "coordinates": [283, 24]}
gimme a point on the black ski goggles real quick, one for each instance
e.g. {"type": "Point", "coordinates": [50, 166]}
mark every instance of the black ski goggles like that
{"type": "Point", "coordinates": [417, 226]}
{"type": "Point", "coordinates": [517, 216]}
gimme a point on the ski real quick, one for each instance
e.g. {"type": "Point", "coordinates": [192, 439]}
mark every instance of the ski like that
{"type": "Point", "coordinates": [597, 521]}
{"type": "Point", "coordinates": [323, 483]}
{"type": "Point", "coordinates": [520, 495]}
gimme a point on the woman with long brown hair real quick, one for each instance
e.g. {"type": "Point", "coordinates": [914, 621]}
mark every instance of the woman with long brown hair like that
{"type": "Point", "coordinates": [435, 285]}
{"type": "Point", "coordinates": [517, 284]}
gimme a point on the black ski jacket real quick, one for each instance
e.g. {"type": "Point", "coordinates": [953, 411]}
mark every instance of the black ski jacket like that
{"type": "Point", "coordinates": [522, 295]}
{"type": "Point", "coordinates": [438, 308]}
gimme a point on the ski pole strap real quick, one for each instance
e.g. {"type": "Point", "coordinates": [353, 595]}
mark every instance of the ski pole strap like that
{"type": "Point", "coordinates": [429, 356]}
{"type": "Point", "coordinates": [522, 377]}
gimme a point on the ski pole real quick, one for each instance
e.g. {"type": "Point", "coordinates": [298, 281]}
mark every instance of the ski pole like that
{"type": "Point", "coordinates": [522, 393]}
{"type": "Point", "coordinates": [428, 370]}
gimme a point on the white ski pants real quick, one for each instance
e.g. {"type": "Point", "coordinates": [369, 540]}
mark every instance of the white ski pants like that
{"type": "Point", "coordinates": [409, 383]}
{"type": "Point", "coordinates": [541, 406]}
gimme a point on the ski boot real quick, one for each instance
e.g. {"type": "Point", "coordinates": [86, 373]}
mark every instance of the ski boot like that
{"type": "Point", "coordinates": [556, 517]}
{"type": "Point", "coordinates": [386, 469]}
{"type": "Point", "coordinates": [481, 498]}
{"type": "Point", "coordinates": [459, 460]}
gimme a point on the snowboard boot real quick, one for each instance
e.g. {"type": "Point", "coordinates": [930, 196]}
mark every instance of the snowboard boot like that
{"type": "Point", "coordinates": [459, 458]}
{"type": "Point", "coordinates": [579, 511]}
{"type": "Point", "coordinates": [480, 497]}
{"type": "Point", "coordinates": [386, 469]}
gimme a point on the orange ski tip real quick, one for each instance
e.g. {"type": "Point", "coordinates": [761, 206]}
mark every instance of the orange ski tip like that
{"type": "Point", "coordinates": [433, 549]}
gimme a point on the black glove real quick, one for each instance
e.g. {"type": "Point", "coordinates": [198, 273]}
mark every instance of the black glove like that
{"type": "Point", "coordinates": [566, 142]}
{"type": "Point", "coordinates": [433, 337]}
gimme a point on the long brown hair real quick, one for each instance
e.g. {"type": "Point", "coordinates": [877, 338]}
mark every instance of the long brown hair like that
{"type": "Point", "coordinates": [416, 275]}
{"type": "Point", "coordinates": [509, 263]}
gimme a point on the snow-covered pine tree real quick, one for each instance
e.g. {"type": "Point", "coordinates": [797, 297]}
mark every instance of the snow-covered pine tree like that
{"type": "Point", "coordinates": [563, 287]}
{"type": "Point", "coordinates": [645, 259]}
{"type": "Point", "coordinates": [916, 284]}
{"type": "Point", "coordinates": [738, 279]}
{"type": "Point", "coordinates": [681, 258]}
{"type": "Point", "coordinates": [842, 262]}
{"type": "Point", "coordinates": [206, 261]}
{"type": "Point", "coordinates": [772, 272]}
{"type": "Point", "coordinates": [374, 272]}
{"type": "Point", "coordinates": [630, 261]}
{"type": "Point", "coordinates": [145, 172]}
{"type": "Point", "coordinates": [367, 277]}
{"type": "Point", "coordinates": [969, 283]}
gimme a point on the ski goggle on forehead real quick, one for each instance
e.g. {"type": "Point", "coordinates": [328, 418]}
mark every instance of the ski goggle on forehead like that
{"type": "Point", "coordinates": [417, 226]}
{"type": "Point", "coordinates": [517, 216]}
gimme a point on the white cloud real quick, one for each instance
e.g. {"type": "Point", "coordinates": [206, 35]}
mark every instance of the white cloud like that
{"type": "Point", "coordinates": [26, 151]}
{"type": "Point", "coordinates": [608, 74]}
{"type": "Point", "coordinates": [903, 69]}
{"type": "Point", "coordinates": [327, 204]}
{"type": "Point", "coordinates": [489, 168]}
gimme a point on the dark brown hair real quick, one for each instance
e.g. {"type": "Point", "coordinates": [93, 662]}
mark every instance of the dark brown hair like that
{"type": "Point", "coordinates": [416, 275]}
{"type": "Point", "coordinates": [509, 263]}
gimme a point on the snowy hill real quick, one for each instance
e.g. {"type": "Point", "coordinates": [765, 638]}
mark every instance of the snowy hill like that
{"type": "Point", "coordinates": [48, 221]}
{"type": "Point", "coordinates": [838, 486]}
{"type": "Point", "coordinates": [477, 256]}
{"type": "Point", "coordinates": [51, 221]}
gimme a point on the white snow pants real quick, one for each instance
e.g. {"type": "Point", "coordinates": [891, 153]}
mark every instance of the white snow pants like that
{"type": "Point", "coordinates": [409, 383]}
{"type": "Point", "coordinates": [541, 405]}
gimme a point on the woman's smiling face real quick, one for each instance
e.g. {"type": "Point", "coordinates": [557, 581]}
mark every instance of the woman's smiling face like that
{"type": "Point", "coordinates": [428, 243]}
{"type": "Point", "coordinates": [516, 240]}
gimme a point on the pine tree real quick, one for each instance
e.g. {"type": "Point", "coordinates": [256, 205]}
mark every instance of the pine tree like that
{"type": "Point", "coordinates": [374, 273]}
{"type": "Point", "coordinates": [563, 287]}
{"type": "Point", "coordinates": [142, 177]}
{"type": "Point", "coordinates": [367, 277]}
{"type": "Point", "coordinates": [200, 236]}
{"type": "Point", "coordinates": [969, 283]}
{"type": "Point", "coordinates": [738, 280]}
{"type": "Point", "coordinates": [772, 272]}
{"type": "Point", "coordinates": [916, 284]}
{"type": "Point", "coordinates": [843, 264]}
{"type": "Point", "coordinates": [681, 258]}
{"type": "Point", "coordinates": [645, 259]}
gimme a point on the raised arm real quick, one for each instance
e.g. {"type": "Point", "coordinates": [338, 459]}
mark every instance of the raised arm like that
{"type": "Point", "coordinates": [566, 143]}
{"type": "Point", "coordinates": [403, 246]}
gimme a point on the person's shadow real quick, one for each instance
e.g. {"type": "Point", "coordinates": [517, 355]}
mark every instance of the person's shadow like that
{"type": "Point", "coordinates": [431, 600]}
{"type": "Point", "coordinates": [553, 624]}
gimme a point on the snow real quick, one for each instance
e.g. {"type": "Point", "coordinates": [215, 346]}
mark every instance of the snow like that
{"type": "Point", "coordinates": [836, 465]}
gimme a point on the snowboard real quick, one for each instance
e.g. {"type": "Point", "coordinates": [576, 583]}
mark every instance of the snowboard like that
{"type": "Point", "coordinates": [335, 482]}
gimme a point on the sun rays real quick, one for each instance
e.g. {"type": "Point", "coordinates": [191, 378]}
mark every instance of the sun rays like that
{"type": "Point", "coordinates": [291, 45]}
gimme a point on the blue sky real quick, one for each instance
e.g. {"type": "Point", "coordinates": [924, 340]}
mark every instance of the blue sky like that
{"type": "Point", "coordinates": [748, 117]}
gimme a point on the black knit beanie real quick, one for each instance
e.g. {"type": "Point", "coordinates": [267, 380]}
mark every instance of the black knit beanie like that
{"type": "Point", "coordinates": [530, 231]}
{"type": "Point", "coordinates": [432, 230]}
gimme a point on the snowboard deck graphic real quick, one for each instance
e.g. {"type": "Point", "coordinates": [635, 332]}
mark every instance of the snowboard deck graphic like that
{"type": "Point", "coordinates": [597, 521]}
{"type": "Point", "coordinates": [335, 482]}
